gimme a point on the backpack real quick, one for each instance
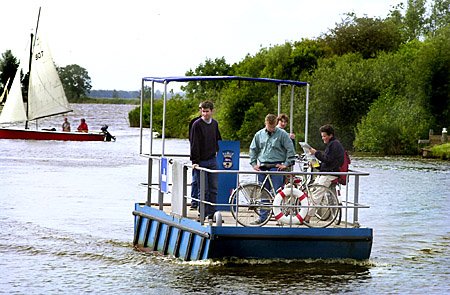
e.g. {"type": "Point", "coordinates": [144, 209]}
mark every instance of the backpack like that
{"type": "Point", "coordinates": [342, 179]}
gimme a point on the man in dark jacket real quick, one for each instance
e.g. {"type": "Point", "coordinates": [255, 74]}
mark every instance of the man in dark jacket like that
{"type": "Point", "coordinates": [204, 139]}
{"type": "Point", "coordinates": [331, 159]}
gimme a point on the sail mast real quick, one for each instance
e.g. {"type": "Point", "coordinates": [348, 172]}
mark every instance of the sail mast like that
{"type": "Point", "coordinates": [33, 40]}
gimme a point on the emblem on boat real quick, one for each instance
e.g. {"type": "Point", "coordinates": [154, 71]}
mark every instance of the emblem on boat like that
{"type": "Point", "coordinates": [227, 159]}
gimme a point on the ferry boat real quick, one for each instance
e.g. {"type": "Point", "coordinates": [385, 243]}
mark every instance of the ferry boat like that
{"type": "Point", "coordinates": [164, 223]}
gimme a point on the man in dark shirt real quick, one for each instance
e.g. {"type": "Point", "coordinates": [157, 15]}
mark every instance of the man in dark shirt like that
{"type": "Point", "coordinates": [204, 139]}
{"type": "Point", "coordinates": [331, 159]}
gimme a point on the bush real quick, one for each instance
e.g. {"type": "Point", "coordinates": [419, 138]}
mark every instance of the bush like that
{"type": "Point", "coordinates": [441, 151]}
{"type": "Point", "coordinates": [392, 126]}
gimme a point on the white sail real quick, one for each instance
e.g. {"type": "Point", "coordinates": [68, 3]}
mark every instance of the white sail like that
{"type": "Point", "coordinates": [14, 109]}
{"type": "Point", "coordinates": [46, 95]}
{"type": "Point", "coordinates": [5, 91]}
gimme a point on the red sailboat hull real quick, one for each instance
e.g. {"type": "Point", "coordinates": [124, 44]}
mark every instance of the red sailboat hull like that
{"type": "Point", "coordinates": [6, 133]}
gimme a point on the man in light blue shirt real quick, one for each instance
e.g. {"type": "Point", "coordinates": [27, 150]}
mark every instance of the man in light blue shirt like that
{"type": "Point", "coordinates": [271, 150]}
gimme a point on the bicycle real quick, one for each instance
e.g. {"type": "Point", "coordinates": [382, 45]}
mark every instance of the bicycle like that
{"type": "Point", "coordinates": [251, 201]}
{"type": "Point", "coordinates": [306, 165]}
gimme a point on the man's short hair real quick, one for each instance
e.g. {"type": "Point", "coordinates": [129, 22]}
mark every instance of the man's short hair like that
{"type": "Point", "coordinates": [327, 128]}
{"type": "Point", "coordinates": [207, 105]}
{"type": "Point", "coordinates": [283, 117]}
{"type": "Point", "coordinates": [271, 119]}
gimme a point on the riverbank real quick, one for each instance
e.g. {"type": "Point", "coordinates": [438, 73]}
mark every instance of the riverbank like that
{"type": "Point", "coordinates": [441, 151]}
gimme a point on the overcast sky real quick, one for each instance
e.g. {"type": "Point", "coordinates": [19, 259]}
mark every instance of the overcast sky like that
{"type": "Point", "coordinates": [119, 42]}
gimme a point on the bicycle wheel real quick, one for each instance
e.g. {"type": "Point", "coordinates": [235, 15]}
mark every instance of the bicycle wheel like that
{"type": "Point", "coordinates": [247, 205]}
{"type": "Point", "coordinates": [320, 195]}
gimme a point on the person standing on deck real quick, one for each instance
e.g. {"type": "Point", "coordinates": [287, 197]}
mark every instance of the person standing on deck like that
{"type": "Point", "coordinates": [205, 138]}
{"type": "Point", "coordinates": [194, 184]}
{"type": "Point", "coordinates": [272, 148]}
{"type": "Point", "coordinates": [330, 161]}
{"type": "Point", "coordinates": [282, 121]}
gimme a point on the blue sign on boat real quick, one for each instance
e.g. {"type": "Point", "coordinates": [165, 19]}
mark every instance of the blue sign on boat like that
{"type": "Point", "coordinates": [164, 175]}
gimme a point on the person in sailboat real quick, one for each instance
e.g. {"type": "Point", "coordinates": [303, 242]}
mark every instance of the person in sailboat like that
{"type": "Point", "coordinates": [83, 127]}
{"type": "Point", "coordinates": [66, 125]}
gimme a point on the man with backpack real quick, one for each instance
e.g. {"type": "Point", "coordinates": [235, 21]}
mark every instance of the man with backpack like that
{"type": "Point", "coordinates": [331, 160]}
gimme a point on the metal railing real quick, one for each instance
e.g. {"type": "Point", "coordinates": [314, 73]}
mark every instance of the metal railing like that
{"type": "Point", "coordinates": [349, 198]}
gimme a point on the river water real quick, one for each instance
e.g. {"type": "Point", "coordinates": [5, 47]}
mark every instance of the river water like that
{"type": "Point", "coordinates": [66, 225]}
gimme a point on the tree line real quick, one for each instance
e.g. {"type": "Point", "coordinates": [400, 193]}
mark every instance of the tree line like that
{"type": "Point", "coordinates": [382, 83]}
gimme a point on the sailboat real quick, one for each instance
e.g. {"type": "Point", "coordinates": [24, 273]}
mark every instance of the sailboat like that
{"type": "Point", "coordinates": [46, 98]}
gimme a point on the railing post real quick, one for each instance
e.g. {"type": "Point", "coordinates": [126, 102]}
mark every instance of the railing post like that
{"type": "Point", "coordinates": [149, 182]}
{"type": "Point", "coordinates": [202, 196]}
{"type": "Point", "coordinates": [184, 210]}
{"type": "Point", "coordinates": [160, 193]}
{"type": "Point", "coordinates": [356, 202]}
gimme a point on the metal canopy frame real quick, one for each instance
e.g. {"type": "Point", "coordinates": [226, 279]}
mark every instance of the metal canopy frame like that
{"type": "Point", "coordinates": [169, 79]}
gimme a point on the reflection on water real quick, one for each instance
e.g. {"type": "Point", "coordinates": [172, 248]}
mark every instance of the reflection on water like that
{"type": "Point", "coordinates": [66, 225]}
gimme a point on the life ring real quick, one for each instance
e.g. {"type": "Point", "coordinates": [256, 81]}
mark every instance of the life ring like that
{"type": "Point", "coordinates": [286, 219]}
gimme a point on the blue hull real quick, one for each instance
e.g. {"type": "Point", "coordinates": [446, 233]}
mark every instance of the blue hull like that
{"type": "Point", "coordinates": [155, 230]}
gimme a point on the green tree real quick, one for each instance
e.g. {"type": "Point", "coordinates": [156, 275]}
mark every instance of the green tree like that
{"type": "Point", "coordinates": [305, 56]}
{"type": "Point", "coordinates": [75, 80]}
{"type": "Point", "coordinates": [178, 115]}
{"type": "Point", "coordinates": [277, 62]}
{"type": "Point", "coordinates": [207, 89]}
{"type": "Point", "coordinates": [392, 126]}
{"type": "Point", "coordinates": [251, 66]}
{"type": "Point", "coordinates": [430, 81]}
{"type": "Point", "coordinates": [343, 88]}
{"type": "Point", "coordinates": [240, 97]}
{"type": "Point", "coordinates": [363, 35]}
{"type": "Point", "coordinates": [253, 121]}
{"type": "Point", "coordinates": [415, 19]}
{"type": "Point", "coordinates": [440, 15]}
{"type": "Point", "coordinates": [8, 67]}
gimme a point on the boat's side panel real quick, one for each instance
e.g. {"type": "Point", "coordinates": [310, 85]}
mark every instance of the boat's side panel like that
{"type": "Point", "coordinates": [6, 133]}
{"type": "Point", "coordinates": [184, 238]}
{"type": "Point", "coordinates": [169, 235]}
{"type": "Point", "coordinates": [292, 243]}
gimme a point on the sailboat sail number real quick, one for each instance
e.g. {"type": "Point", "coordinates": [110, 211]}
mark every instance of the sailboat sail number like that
{"type": "Point", "coordinates": [39, 54]}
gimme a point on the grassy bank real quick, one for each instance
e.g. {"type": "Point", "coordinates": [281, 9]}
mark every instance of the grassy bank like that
{"type": "Point", "coordinates": [441, 151]}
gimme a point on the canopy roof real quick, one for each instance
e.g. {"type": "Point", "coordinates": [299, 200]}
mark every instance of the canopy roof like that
{"type": "Point", "coordinates": [212, 78]}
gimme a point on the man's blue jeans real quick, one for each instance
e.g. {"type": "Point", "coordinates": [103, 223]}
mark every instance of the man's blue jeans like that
{"type": "Point", "coordinates": [212, 182]}
{"type": "Point", "coordinates": [277, 181]}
